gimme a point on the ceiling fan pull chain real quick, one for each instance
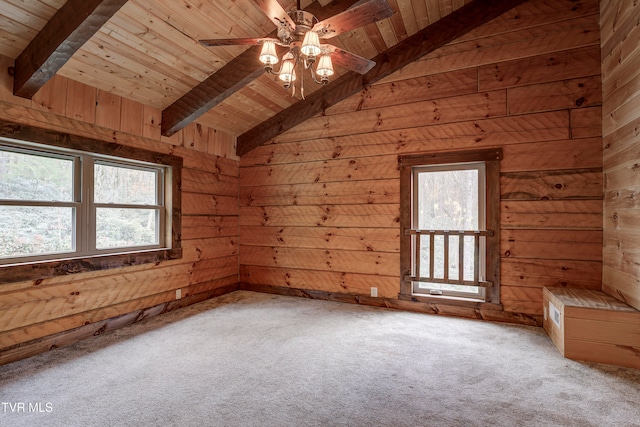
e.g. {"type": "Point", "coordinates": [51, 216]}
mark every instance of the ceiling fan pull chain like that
{"type": "Point", "coordinates": [302, 80]}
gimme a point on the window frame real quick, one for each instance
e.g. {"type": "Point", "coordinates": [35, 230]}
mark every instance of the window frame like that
{"type": "Point", "coordinates": [491, 158]}
{"type": "Point", "coordinates": [93, 206]}
{"type": "Point", "coordinates": [73, 202]}
{"type": "Point", "coordinates": [111, 152]}
{"type": "Point", "coordinates": [482, 220]}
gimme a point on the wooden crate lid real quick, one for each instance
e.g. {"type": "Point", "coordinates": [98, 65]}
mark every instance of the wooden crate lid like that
{"type": "Point", "coordinates": [590, 299]}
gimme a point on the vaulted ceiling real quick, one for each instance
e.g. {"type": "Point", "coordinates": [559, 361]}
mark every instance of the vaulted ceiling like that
{"type": "Point", "coordinates": [148, 51]}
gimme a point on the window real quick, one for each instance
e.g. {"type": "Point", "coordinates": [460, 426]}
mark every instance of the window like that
{"type": "Point", "coordinates": [59, 204]}
{"type": "Point", "coordinates": [37, 203]}
{"type": "Point", "coordinates": [450, 225]}
{"type": "Point", "coordinates": [129, 206]}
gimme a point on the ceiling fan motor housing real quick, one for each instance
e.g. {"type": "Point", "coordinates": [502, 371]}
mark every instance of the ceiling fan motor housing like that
{"type": "Point", "coordinates": [304, 22]}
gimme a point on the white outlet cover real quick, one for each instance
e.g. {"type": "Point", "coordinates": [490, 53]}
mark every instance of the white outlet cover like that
{"type": "Point", "coordinates": [374, 292]}
{"type": "Point", "coordinates": [178, 293]}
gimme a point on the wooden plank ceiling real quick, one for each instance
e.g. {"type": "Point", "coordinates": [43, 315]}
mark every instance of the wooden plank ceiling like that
{"type": "Point", "coordinates": [148, 50]}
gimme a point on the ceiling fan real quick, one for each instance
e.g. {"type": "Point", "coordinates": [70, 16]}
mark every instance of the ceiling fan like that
{"type": "Point", "coordinates": [300, 32]}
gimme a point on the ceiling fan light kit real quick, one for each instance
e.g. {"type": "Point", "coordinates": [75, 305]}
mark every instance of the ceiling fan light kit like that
{"type": "Point", "coordinates": [300, 32]}
{"type": "Point", "coordinates": [311, 44]}
{"type": "Point", "coordinates": [325, 67]}
{"type": "Point", "coordinates": [300, 55]}
{"type": "Point", "coordinates": [268, 55]}
{"type": "Point", "coordinates": [288, 71]}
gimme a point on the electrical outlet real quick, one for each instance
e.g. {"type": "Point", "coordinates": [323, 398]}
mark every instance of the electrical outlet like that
{"type": "Point", "coordinates": [178, 293]}
{"type": "Point", "coordinates": [374, 291]}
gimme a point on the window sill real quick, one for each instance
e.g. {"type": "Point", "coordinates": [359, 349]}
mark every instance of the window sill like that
{"type": "Point", "coordinates": [449, 300]}
{"type": "Point", "coordinates": [45, 269]}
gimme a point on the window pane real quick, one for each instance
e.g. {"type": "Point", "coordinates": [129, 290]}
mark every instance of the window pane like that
{"type": "Point", "coordinates": [469, 258]}
{"type": "Point", "coordinates": [116, 228]}
{"type": "Point", "coordinates": [454, 254]}
{"type": "Point", "coordinates": [35, 177]}
{"type": "Point", "coordinates": [438, 255]}
{"type": "Point", "coordinates": [425, 251]}
{"type": "Point", "coordinates": [447, 288]}
{"type": "Point", "coordinates": [35, 230]}
{"type": "Point", "coordinates": [122, 185]}
{"type": "Point", "coordinates": [448, 200]}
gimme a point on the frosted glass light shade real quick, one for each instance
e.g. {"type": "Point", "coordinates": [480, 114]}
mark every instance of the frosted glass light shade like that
{"type": "Point", "coordinates": [325, 66]}
{"type": "Point", "coordinates": [311, 44]}
{"type": "Point", "coordinates": [268, 54]}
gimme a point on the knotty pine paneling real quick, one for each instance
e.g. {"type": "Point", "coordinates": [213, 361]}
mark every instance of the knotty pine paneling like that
{"type": "Point", "coordinates": [549, 126]}
{"type": "Point", "coordinates": [621, 116]}
{"type": "Point", "coordinates": [330, 193]}
{"type": "Point", "coordinates": [541, 68]}
{"type": "Point", "coordinates": [552, 185]}
{"type": "Point", "coordinates": [35, 310]}
{"type": "Point", "coordinates": [369, 215]}
{"type": "Point", "coordinates": [552, 155]}
{"type": "Point", "coordinates": [81, 102]}
{"type": "Point", "coordinates": [107, 109]}
{"type": "Point", "coordinates": [328, 281]}
{"type": "Point", "coordinates": [521, 39]}
{"type": "Point", "coordinates": [570, 244]}
{"type": "Point", "coordinates": [541, 13]}
{"type": "Point", "coordinates": [529, 82]}
{"type": "Point", "coordinates": [444, 110]}
{"type": "Point", "coordinates": [340, 261]}
{"type": "Point", "coordinates": [358, 239]}
{"type": "Point", "coordinates": [552, 273]}
{"type": "Point", "coordinates": [52, 97]}
{"type": "Point", "coordinates": [418, 89]}
{"type": "Point", "coordinates": [322, 171]}
{"type": "Point", "coordinates": [556, 214]}
{"type": "Point", "coordinates": [586, 122]}
{"type": "Point", "coordinates": [555, 95]}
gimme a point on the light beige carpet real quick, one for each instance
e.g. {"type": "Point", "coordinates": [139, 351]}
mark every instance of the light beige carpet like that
{"type": "Point", "coordinates": [248, 359]}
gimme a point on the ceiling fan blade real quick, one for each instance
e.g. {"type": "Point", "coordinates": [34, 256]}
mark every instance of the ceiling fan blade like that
{"type": "Point", "coordinates": [362, 13]}
{"type": "Point", "coordinates": [349, 60]}
{"type": "Point", "coordinates": [276, 13]}
{"type": "Point", "coordinates": [230, 42]}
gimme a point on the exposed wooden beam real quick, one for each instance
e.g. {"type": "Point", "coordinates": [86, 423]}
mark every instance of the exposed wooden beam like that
{"type": "Point", "coordinates": [71, 26]}
{"type": "Point", "coordinates": [220, 85]}
{"type": "Point", "coordinates": [229, 79]}
{"type": "Point", "coordinates": [434, 36]}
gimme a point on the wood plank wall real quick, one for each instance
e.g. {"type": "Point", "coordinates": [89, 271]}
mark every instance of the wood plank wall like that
{"type": "Point", "coordinates": [319, 207]}
{"type": "Point", "coordinates": [621, 137]}
{"type": "Point", "coordinates": [33, 310]}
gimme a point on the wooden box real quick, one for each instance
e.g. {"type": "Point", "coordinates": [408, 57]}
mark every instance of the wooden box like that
{"type": "Point", "coordinates": [592, 326]}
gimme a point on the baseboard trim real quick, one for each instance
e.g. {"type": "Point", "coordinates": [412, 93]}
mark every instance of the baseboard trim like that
{"type": "Point", "coordinates": [404, 305]}
{"type": "Point", "coordinates": [62, 339]}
